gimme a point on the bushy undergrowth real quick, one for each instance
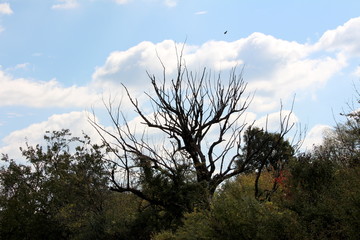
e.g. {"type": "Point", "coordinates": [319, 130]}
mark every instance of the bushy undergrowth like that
{"type": "Point", "coordinates": [317, 201]}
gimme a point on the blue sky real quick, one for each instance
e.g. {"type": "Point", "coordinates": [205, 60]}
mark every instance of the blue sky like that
{"type": "Point", "coordinates": [59, 57]}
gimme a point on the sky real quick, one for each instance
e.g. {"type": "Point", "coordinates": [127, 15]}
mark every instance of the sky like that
{"type": "Point", "coordinates": [60, 58]}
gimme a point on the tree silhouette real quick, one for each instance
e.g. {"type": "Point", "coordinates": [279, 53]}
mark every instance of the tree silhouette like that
{"type": "Point", "coordinates": [200, 115]}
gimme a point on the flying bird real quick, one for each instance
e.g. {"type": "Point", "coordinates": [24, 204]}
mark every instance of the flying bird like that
{"type": "Point", "coordinates": [225, 32]}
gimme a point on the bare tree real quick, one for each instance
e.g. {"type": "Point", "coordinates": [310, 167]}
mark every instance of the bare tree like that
{"type": "Point", "coordinates": [188, 110]}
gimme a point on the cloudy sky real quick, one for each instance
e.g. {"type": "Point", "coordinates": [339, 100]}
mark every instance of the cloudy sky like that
{"type": "Point", "coordinates": [58, 58]}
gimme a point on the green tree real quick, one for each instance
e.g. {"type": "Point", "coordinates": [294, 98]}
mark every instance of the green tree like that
{"type": "Point", "coordinates": [270, 152]}
{"type": "Point", "coordinates": [59, 194]}
{"type": "Point", "coordinates": [318, 191]}
{"type": "Point", "coordinates": [23, 215]}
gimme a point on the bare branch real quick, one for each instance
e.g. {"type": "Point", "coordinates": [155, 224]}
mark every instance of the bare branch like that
{"type": "Point", "coordinates": [201, 117]}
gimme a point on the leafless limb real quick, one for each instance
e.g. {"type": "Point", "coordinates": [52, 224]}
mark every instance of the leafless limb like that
{"type": "Point", "coordinates": [200, 114]}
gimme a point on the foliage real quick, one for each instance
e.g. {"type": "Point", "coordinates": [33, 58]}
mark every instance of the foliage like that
{"type": "Point", "coordinates": [239, 215]}
{"type": "Point", "coordinates": [325, 195]}
{"type": "Point", "coordinates": [63, 193]}
{"type": "Point", "coordinates": [342, 144]}
{"type": "Point", "coordinates": [270, 152]}
{"type": "Point", "coordinates": [59, 194]}
{"type": "Point", "coordinates": [236, 214]}
{"type": "Point", "coordinates": [324, 185]}
{"type": "Point", "coordinates": [122, 214]}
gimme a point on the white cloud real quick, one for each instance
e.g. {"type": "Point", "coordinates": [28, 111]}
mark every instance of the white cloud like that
{"type": "Point", "coordinates": [170, 3]}
{"type": "Point", "coordinates": [31, 93]}
{"type": "Point", "coordinates": [130, 66]}
{"type": "Point", "coordinates": [13, 115]}
{"type": "Point", "coordinates": [356, 72]}
{"type": "Point", "coordinates": [299, 76]}
{"type": "Point", "coordinates": [315, 136]}
{"type": "Point", "coordinates": [122, 1]}
{"type": "Point", "coordinates": [201, 13]}
{"type": "Point", "coordinates": [76, 122]}
{"type": "Point", "coordinates": [274, 68]}
{"type": "Point", "coordinates": [5, 9]}
{"type": "Point", "coordinates": [37, 54]}
{"type": "Point", "coordinates": [345, 38]}
{"type": "Point", "coordinates": [66, 4]}
{"type": "Point", "coordinates": [19, 66]}
{"type": "Point", "coordinates": [272, 122]}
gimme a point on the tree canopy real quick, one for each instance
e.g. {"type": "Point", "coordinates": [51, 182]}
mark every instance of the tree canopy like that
{"type": "Point", "coordinates": [59, 193]}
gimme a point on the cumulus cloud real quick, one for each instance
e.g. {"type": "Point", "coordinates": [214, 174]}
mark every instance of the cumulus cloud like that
{"type": "Point", "coordinates": [25, 92]}
{"type": "Point", "coordinates": [130, 66]}
{"type": "Point", "coordinates": [5, 9]}
{"type": "Point", "coordinates": [344, 38]}
{"type": "Point", "coordinates": [76, 122]}
{"type": "Point", "coordinates": [274, 68]}
{"type": "Point", "coordinates": [315, 136]}
{"type": "Point", "coordinates": [66, 4]}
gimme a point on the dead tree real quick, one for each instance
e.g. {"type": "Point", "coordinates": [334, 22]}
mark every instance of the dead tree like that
{"type": "Point", "coordinates": [187, 110]}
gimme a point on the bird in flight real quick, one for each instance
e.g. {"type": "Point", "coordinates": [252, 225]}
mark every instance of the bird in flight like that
{"type": "Point", "coordinates": [225, 32]}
